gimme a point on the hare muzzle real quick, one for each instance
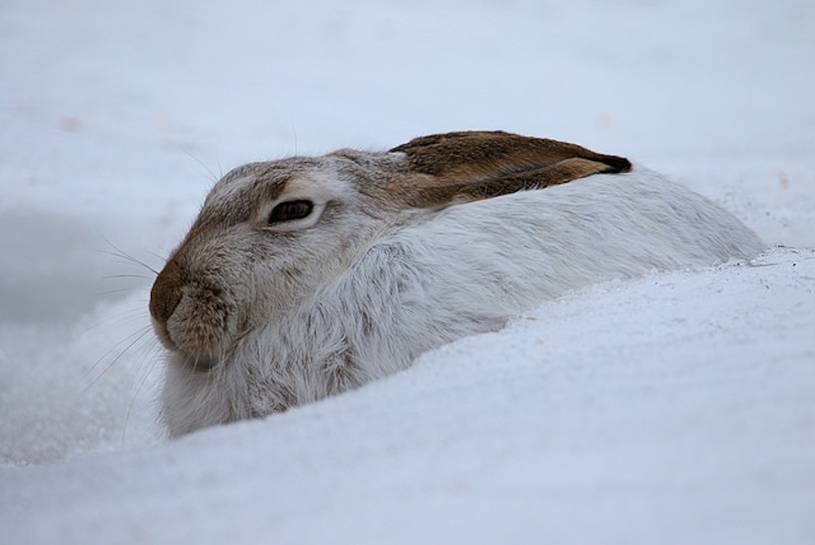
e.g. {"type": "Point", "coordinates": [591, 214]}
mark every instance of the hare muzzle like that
{"type": "Point", "coordinates": [164, 298]}
{"type": "Point", "coordinates": [189, 317]}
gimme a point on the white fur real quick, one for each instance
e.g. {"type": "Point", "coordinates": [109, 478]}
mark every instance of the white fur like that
{"type": "Point", "coordinates": [465, 270]}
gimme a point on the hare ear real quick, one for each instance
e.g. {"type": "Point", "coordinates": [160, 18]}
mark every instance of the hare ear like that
{"type": "Point", "coordinates": [468, 166]}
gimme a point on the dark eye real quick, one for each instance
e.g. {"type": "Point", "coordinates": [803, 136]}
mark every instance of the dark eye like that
{"type": "Point", "coordinates": [291, 210]}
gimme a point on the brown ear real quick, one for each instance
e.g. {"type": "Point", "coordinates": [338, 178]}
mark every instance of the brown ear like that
{"type": "Point", "coordinates": [468, 166]}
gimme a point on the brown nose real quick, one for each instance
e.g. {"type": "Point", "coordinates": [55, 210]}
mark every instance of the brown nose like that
{"type": "Point", "coordinates": [166, 292]}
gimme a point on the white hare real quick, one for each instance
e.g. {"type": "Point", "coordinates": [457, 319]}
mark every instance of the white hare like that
{"type": "Point", "coordinates": [309, 276]}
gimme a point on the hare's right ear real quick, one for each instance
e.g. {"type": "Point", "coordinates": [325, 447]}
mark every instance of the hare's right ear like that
{"type": "Point", "coordinates": [468, 166]}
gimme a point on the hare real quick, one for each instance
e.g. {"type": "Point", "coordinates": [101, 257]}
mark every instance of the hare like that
{"type": "Point", "coordinates": [308, 276]}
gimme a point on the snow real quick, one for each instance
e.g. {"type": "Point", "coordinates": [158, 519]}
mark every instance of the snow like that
{"type": "Point", "coordinates": [675, 408]}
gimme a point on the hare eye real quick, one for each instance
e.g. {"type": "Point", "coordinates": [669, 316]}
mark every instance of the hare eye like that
{"type": "Point", "coordinates": [291, 210]}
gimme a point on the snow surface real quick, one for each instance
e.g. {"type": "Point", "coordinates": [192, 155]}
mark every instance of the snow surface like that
{"type": "Point", "coordinates": [677, 408]}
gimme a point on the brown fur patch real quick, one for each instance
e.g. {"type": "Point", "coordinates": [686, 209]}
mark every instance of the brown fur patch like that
{"type": "Point", "coordinates": [166, 294]}
{"type": "Point", "coordinates": [473, 165]}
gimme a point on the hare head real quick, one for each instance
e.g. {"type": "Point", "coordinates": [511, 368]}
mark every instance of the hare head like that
{"type": "Point", "coordinates": [270, 234]}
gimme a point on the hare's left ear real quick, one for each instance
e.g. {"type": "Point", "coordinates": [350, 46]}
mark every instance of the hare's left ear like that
{"type": "Point", "coordinates": [468, 166]}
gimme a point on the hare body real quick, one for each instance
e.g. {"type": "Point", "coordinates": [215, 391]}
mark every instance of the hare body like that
{"type": "Point", "coordinates": [419, 280]}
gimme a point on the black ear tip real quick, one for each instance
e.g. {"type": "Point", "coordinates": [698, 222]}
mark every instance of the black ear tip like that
{"type": "Point", "coordinates": [617, 164]}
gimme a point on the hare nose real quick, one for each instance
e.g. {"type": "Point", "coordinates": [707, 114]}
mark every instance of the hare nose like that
{"type": "Point", "coordinates": [166, 292]}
